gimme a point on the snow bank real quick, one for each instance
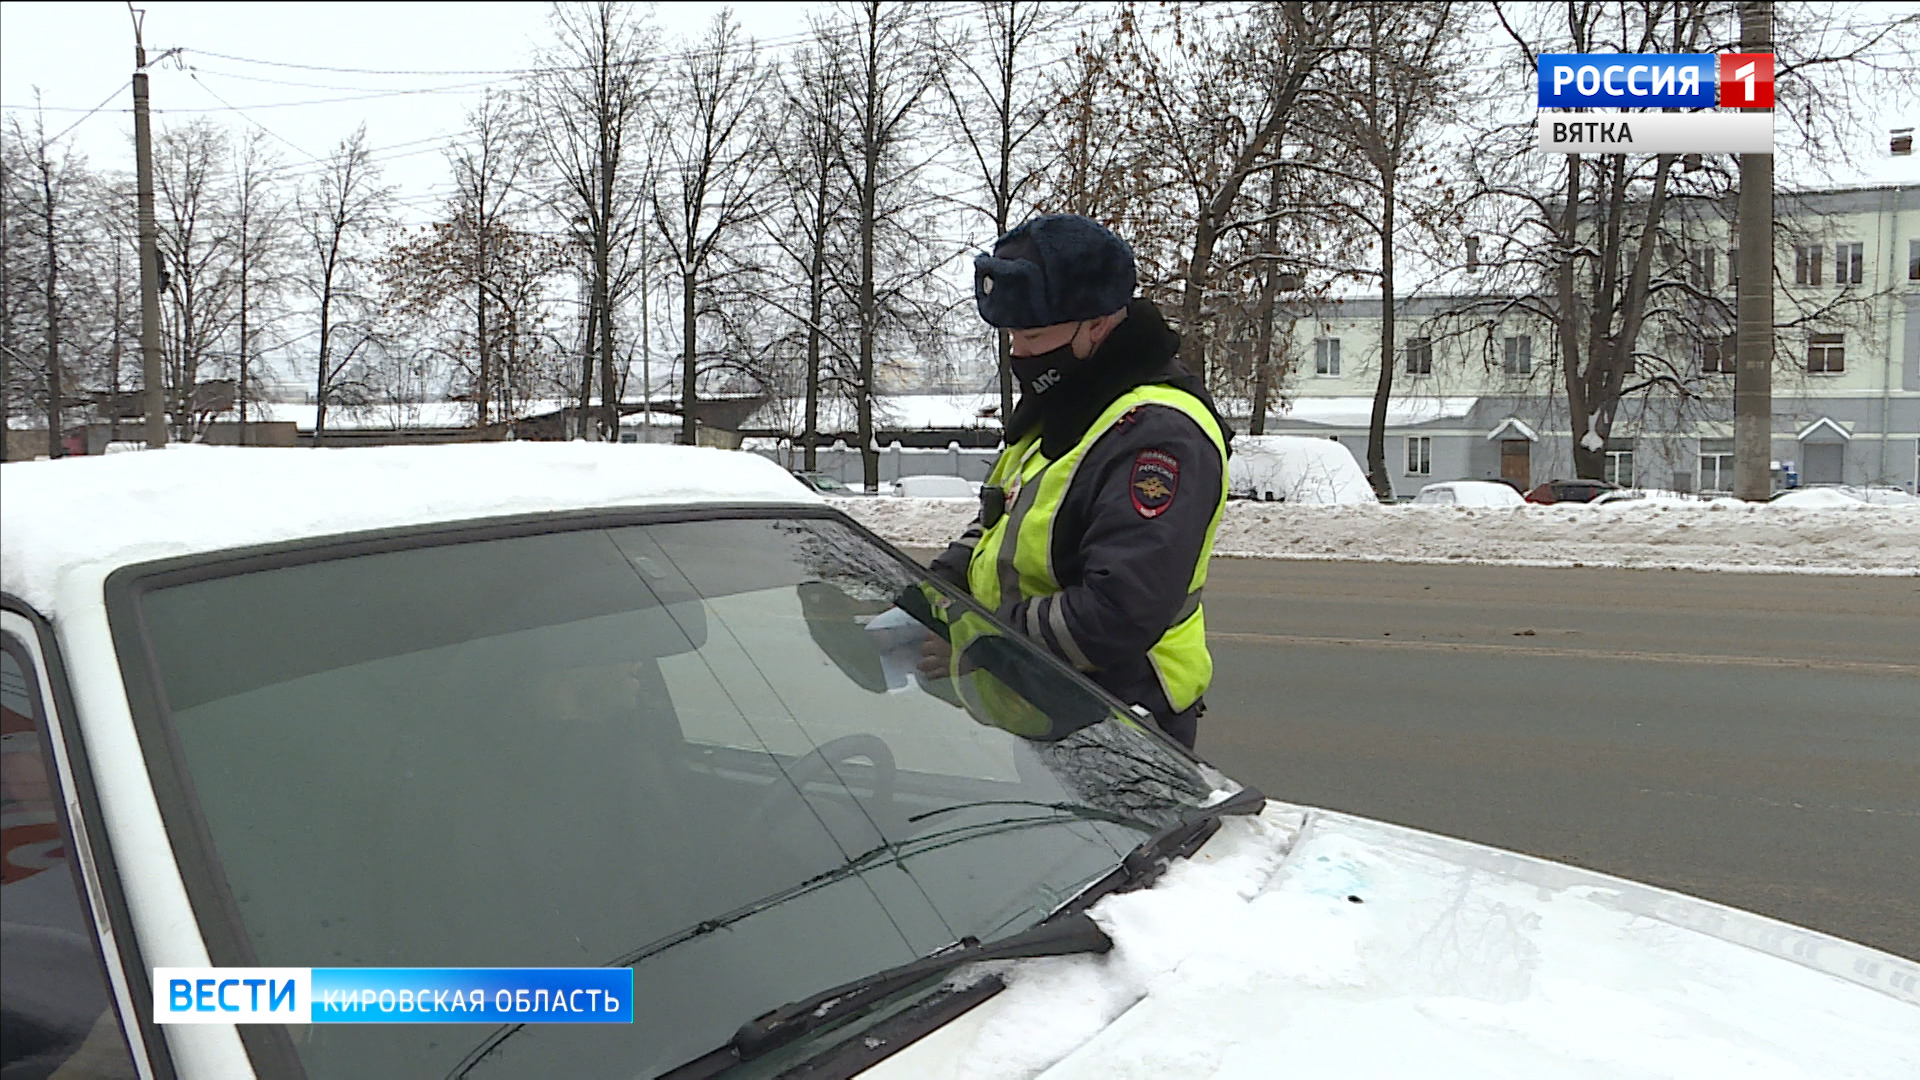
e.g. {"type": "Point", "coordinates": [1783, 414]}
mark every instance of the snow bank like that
{"type": "Point", "coordinates": [1646, 533]}
{"type": "Point", "coordinates": [123, 508]}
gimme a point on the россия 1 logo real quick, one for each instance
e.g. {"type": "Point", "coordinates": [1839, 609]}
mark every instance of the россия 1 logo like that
{"type": "Point", "coordinates": [1637, 90]}
{"type": "Point", "coordinates": [1626, 81]}
{"type": "Point", "coordinates": [1746, 80]}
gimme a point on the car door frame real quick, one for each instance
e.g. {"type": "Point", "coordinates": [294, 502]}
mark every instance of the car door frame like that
{"type": "Point", "coordinates": [89, 849]}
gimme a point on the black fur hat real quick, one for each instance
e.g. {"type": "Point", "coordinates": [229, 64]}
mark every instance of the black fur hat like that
{"type": "Point", "coordinates": [1059, 268]}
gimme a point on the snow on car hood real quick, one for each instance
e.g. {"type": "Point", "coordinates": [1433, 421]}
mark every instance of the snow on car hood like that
{"type": "Point", "coordinates": [1308, 943]}
{"type": "Point", "coordinates": [124, 508]}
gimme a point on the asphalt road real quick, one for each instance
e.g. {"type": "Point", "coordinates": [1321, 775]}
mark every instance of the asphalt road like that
{"type": "Point", "coordinates": [1750, 739]}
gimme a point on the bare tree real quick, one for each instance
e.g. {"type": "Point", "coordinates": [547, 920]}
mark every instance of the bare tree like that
{"type": "Point", "coordinates": [1216, 94]}
{"type": "Point", "coordinates": [891, 67]}
{"type": "Point", "coordinates": [1618, 253]}
{"type": "Point", "coordinates": [11, 243]}
{"type": "Point", "coordinates": [589, 99]}
{"type": "Point", "coordinates": [999, 105]}
{"type": "Point", "coordinates": [260, 243]}
{"type": "Point", "coordinates": [1396, 94]}
{"type": "Point", "coordinates": [712, 177]}
{"type": "Point", "coordinates": [1101, 165]}
{"type": "Point", "coordinates": [338, 216]}
{"type": "Point", "coordinates": [476, 281]}
{"type": "Point", "coordinates": [199, 268]}
{"type": "Point", "coordinates": [46, 188]}
{"type": "Point", "coordinates": [490, 166]}
{"type": "Point", "coordinates": [809, 227]}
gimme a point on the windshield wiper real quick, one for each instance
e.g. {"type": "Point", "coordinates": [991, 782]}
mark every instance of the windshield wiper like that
{"type": "Point", "coordinates": [1076, 933]}
{"type": "Point", "coordinates": [879, 855]}
{"type": "Point", "coordinates": [1145, 863]}
{"type": "Point", "coordinates": [1068, 930]}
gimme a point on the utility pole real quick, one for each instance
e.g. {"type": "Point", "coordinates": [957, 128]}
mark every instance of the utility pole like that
{"type": "Point", "coordinates": [155, 393]}
{"type": "Point", "coordinates": [113, 357]}
{"type": "Point", "coordinates": [56, 426]}
{"type": "Point", "coordinates": [646, 329]}
{"type": "Point", "coordinates": [1753, 346]}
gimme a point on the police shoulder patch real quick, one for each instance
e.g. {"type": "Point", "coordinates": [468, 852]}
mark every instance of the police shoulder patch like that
{"type": "Point", "coordinates": [1156, 477]}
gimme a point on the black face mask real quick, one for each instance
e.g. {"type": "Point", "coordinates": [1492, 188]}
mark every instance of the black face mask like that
{"type": "Point", "coordinates": [1044, 371]}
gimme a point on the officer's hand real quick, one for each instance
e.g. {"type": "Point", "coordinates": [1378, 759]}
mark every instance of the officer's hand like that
{"type": "Point", "coordinates": [936, 657]}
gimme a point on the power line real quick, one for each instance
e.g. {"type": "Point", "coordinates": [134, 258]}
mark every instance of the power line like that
{"type": "Point", "coordinates": [308, 85]}
{"type": "Point", "coordinates": [103, 104]}
{"type": "Point", "coordinates": [468, 88]}
{"type": "Point", "coordinates": [274, 134]}
{"type": "Point", "coordinates": [926, 15]}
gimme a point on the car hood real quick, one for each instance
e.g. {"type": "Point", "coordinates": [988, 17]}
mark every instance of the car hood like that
{"type": "Point", "coordinates": [1310, 943]}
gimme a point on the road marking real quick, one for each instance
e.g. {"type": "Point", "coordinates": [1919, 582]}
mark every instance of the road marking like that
{"type": "Point", "coordinates": [1777, 804]}
{"type": "Point", "coordinates": [1856, 666]}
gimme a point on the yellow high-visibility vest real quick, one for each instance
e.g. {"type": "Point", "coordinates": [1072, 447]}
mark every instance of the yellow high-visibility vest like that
{"type": "Point", "coordinates": [1014, 559]}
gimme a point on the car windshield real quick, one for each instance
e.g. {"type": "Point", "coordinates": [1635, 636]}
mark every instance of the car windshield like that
{"type": "Point", "coordinates": [700, 748]}
{"type": "Point", "coordinates": [823, 482]}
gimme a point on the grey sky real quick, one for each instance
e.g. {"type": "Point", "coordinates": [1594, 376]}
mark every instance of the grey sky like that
{"type": "Point", "coordinates": [79, 54]}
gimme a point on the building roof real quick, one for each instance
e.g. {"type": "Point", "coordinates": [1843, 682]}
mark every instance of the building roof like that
{"type": "Point", "coordinates": [891, 412]}
{"type": "Point", "coordinates": [1356, 411]}
{"type": "Point", "coordinates": [117, 509]}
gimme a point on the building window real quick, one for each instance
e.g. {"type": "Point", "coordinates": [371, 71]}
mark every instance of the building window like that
{"type": "Point", "coordinates": [1717, 356]}
{"type": "Point", "coordinates": [1849, 264]}
{"type": "Point", "coordinates": [1826, 354]}
{"type": "Point", "coordinates": [1519, 358]}
{"type": "Point", "coordinates": [1716, 466]}
{"type": "Point", "coordinates": [1473, 253]}
{"type": "Point", "coordinates": [1806, 265]}
{"type": "Point", "coordinates": [1419, 455]}
{"type": "Point", "coordinates": [1619, 467]}
{"type": "Point", "coordinates": [1326, 357]}
{"type": "Point", "coordinates": [1733, 266]}
{"type": "Point", "coordinates": [1419, 356]}
{"type": "Point", "coordinates": [1913, 260]}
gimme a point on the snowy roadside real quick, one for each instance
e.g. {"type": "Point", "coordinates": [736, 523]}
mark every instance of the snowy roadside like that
{"type": "Point", "coordinates": [1641, 534]}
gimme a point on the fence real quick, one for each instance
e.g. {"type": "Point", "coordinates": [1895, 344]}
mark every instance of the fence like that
{"type": "Point", "coordinates": [842, 462]}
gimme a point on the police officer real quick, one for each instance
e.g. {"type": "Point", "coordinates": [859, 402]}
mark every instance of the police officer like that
{"type": "Point", "coordinates": [1098, 519]}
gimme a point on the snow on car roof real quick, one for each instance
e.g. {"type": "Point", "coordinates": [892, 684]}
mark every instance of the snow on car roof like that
{"type": "Point", "coordinates": [1296, 469]}
{"type": "Point", "coordinates": [126, 508]}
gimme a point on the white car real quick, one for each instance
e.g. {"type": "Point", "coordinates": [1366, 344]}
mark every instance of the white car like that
{"type": "Point", "coordinates": [1468, 493]}
{"type": "Point", "coordinates": [660, 709]}
{"type": "Point", "coordinates": [1841, 497]}
{"type": "Point", "coordinates": [1642, 495]}
{"type": "Point", "coordinates": [935, 487]}
{"type": "Point", "coordinates": [1296, 469]}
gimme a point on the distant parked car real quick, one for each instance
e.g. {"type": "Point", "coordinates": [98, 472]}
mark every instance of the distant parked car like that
{"type": "Point", "coordinates": [1468, 493]}
{"type": "Point", "coordinates": [1579, 491]}
{"type": "Point", "coordinates": [824, 484]}
{"type": "Point", "coordinates": [934, 487]}
{"type": "Point", "coordinates": [1295, 469]}
{"type": "Point", "coordinates": [1642, 494]}
{"type": "Point", "coordinates": [1843, 496]}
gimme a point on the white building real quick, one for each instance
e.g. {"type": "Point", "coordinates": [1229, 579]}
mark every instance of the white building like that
{"type": "Point", "coordinates": [1478, 397]}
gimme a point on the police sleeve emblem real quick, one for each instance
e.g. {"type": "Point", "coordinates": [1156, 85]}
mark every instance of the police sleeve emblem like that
{"type": "Point", "coordinates": [1156, 476]}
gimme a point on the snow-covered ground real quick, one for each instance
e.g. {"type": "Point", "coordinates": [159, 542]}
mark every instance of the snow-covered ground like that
{"type": "Point", "coordinates": [1647, 534]}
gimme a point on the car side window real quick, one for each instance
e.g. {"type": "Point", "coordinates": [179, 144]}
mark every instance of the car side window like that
{"type": "Point", "coordinates": [55, 1007]}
